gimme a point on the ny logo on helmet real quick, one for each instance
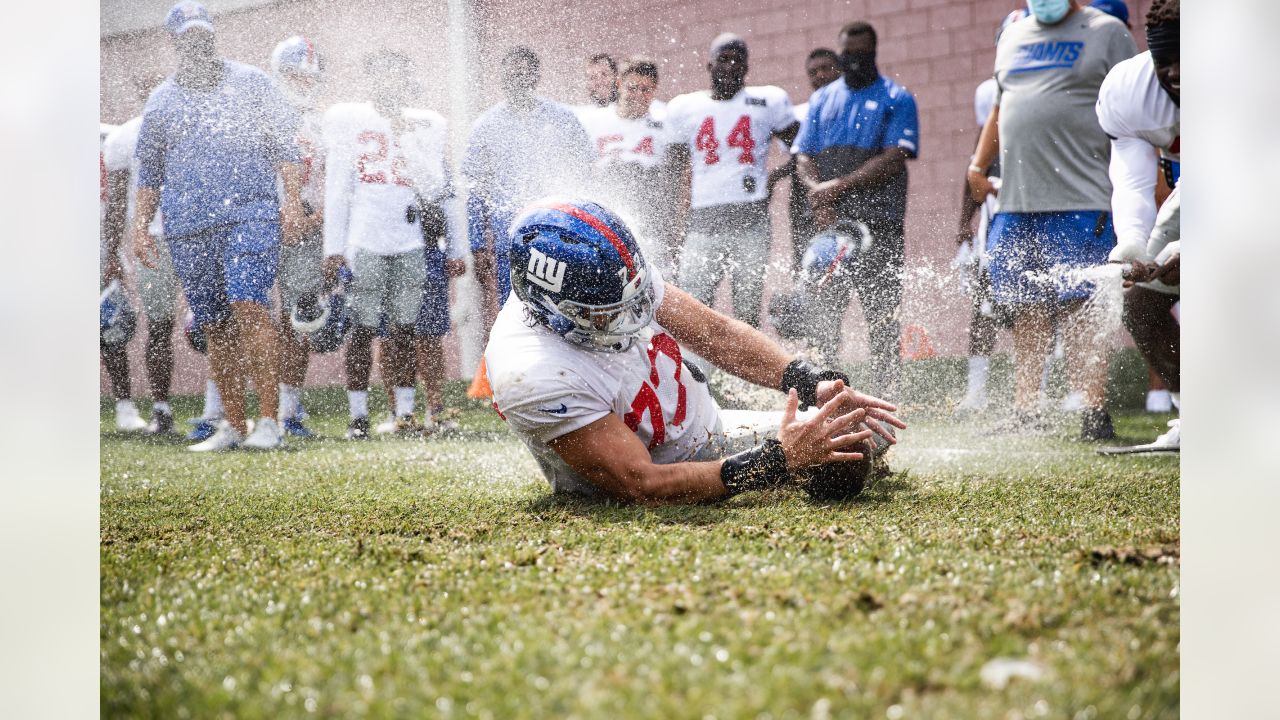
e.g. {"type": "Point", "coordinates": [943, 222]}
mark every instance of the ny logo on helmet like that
{"type": "Point", "coordinates": [545, 272]}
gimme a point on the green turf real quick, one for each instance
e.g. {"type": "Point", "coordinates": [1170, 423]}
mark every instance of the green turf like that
{"type": "Point", "coordinates": [410, 578]}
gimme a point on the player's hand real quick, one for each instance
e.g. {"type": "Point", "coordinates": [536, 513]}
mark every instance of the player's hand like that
{"type": "Point", "coordinates": [825, 193]}
{"type": "Point", "coordinates": [1139, 272]}
{"type": "Point", "coordinates": [332, 265]}
{"type": "Point", "coordinates": [455, 268]}
{"type": "Point", "coordinates": [1170, 273]}
{"type": "Point", "coordinates": [980, 186]}
{"type": "Point", "coordinates": [144, 247]}
{"type": "Point", "coordinates": [112, 270]}
{"type": "Point", "coordinates": [877, 411]}
{"type": "Point", "coordinates": [823, 438]}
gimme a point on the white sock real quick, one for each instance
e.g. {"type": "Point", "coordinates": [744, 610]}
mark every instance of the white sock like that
{"type": "Point", "coordinates": [212, 401]}
{"type": "Point", "coordinates": [161, 406]}
{"type": "Point", "coordinates": [979, 367]}
{"type": "Point", "coordinates": [404, 401]}
{"type": "Point", "coordinates": [1176, 397]}
{"type": "Point", "coordinates": [125, 405]}
{"type": "Point", "coordinates": [359, 402]}
{"type": "Point", "coordinates": [288, 401]}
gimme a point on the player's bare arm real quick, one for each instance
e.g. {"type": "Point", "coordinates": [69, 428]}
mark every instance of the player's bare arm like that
{"type": "Point", "coordinates": [293, 221]}
{"type": "Point", "coordinates": [888, 163]}
{"type": "Point", "coordinates": [113, 225]}
{"type": "Point", "coordinates": [609, 455]}
{"type": "Point", "coordinates": [984, 154]}
{"type": "Point", "coordinates": [744, 351]}
{"type": "Point", "coordinates": [823, 214]}
{"type": "Point", "coordinates": [144, 245]}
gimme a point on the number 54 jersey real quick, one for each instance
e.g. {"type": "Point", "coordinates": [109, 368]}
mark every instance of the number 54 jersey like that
{"type": "Point", "coordinates": [728, 141]}
{"type": "Point", "coordinates": [545, 387]}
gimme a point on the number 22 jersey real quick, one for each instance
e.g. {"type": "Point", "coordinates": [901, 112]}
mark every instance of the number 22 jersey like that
{"type": "Point", "coordinates": [729, 141]}
{"type": "Point", "coordinates": [545, 387]}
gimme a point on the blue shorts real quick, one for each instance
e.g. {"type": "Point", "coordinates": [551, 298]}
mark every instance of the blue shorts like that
{"type": "Point", "coordinates": [433, 316]}
{"type": "Point", "coordinates": [1030, 253]}
{"type": "Point", "coordinates": [224, 265]}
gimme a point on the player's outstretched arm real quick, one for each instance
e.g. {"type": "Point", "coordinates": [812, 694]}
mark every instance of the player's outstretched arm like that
{"type": "Point", "coordinates": [725, 342]}
{"type": "Point", "coordinates": [609, 455]}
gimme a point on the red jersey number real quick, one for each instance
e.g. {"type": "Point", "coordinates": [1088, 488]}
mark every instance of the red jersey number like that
{"type": "Point", "coordinates": [648, 400]}
{"type": "Point", "coordinates": [739, 137]}
{"type": "Point", "coordinates": [376, 157]}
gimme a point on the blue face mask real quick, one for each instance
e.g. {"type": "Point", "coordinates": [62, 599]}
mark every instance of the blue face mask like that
{"type": "Point", "coordinates": [1049, 11]}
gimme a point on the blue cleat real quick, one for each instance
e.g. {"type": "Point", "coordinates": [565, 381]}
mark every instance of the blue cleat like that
{"type": "Point", "coordinates": [203, 430]}
{"type": "Point", "coordinates": [293, 426]}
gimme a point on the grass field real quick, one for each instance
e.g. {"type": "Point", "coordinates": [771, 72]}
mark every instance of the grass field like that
{"type": "Point", "coordinates": [413, 578]}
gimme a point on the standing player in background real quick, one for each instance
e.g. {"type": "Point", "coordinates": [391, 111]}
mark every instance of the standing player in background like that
{"type": "Point", "coordinates": [721, 136]}
{"type": "Point", "coordinates": [602, 80]}
{"type": "Point", "coordinates": [1054, 196]}
{"type": "Point", "coordinates": [385, 168]}
{"type": "Point", "coordinates": [520, 149]}
{"type": "Point", "coordinates": [852, 155]}
{"type": "Point", "coordinates": [1138, 108]}
{"type": "Point", "coordinates": [117, 319]}
{"type": "Point", "coordinates": [631, 144]}
{"type": "Point", "coordinates": [297, 69]}
{"type": "Point", "coordinates": [821, 68]}
{"type": "Point", "coordinates": [215, 137]}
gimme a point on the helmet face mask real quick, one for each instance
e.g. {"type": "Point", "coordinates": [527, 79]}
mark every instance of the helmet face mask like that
{"type": "Point", "coordinates": [580, 272]}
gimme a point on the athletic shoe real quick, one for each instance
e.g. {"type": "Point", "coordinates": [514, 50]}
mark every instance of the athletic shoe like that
{"type": "Point", "coordinates": [386, 427]}
{"type": "Point", "coordinates": [441, 420]}
{"type": "Point", "coordinates": [1095, 424]}
{"type": "Point", "coordinates": [1159, 401]}
{"type": "Point", "coordinates": [975, 400]}
{"type": "Point", "coordinates": [1024, 423]}
{"type": "Point", "coordinates": [358, 429]}
{"type": "Point", "coordinates": [204, 428]}
{"type": "Point", "coordinates": [1170, 442]}
{"type": "Point", "coordinates": [127, 417]}
{"type": "Point", "coordinates": [408, 425]}
{"type": "Point", "coordinates": [224, 437]}
{"type": "Point", "coordinates": [161, 423]}
{"type": "Point", "coordinates": [293, 426]}
{"type": "Point", "coordinates": [266, 435]}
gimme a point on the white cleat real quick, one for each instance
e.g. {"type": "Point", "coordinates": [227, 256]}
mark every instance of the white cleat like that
{"type": "Point", "coordinates": [386, 427]}
{"type": "Point", "coordinates": [127, 417]}
{"type": "Point", "coordinates": [1159, 401]}
{"type": "Point", "coordinates": [224, 438]}
{"type": "Point", "coordinates": [266, 435]}
{"type": "Point", "coordinates": [1171, 441]}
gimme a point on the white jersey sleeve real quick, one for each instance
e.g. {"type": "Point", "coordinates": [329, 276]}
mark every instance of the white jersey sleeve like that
{"type": "Point", "coordinates": [340, 158]}
{"type": "Point", "coordinates": [984, 100]}
{"type": "Point", "coordinates": [118, 155]}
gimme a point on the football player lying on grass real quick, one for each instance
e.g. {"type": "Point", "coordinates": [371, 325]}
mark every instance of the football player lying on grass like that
{"type": "Point", "coordinates": [588, 366]}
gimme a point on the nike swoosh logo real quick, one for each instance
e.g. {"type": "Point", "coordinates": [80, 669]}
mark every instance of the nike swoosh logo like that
{"type": "Point", "coordinates": [556, 411]}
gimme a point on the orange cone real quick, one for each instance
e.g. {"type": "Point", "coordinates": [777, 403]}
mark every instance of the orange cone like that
{"type": "Point", "coordinates": [915, 344]}
{"type": "Point", "coordinates": [480, 384]}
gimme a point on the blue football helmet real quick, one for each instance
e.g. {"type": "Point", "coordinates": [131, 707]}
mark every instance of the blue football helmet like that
{"type": "Point", "coordinates": [832, 254]}
{"type": "Point", "coordinates": [332, 332]}
{"type": "Point", "coordinates": [580, 272]}
{"type": "Point", "coordinates": [117, 319]}
{"type": "Point", "coordinates": [195, 334]}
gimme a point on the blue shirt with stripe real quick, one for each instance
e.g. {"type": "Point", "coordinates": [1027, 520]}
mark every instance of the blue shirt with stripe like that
{"type": "Point", "coordinates": [846, 127]}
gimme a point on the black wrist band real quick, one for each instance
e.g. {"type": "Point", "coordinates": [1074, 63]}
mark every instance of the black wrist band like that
{"type": "Point", "coordinates": [804, 377]}
{"type": "Point", "coordinates": [760, 467]}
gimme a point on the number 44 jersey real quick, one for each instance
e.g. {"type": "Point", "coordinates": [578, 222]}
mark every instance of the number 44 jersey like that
{"type": "Point", "coordinates": [545, 387]}
{"type": "Point", "coordinates": [729, 141]}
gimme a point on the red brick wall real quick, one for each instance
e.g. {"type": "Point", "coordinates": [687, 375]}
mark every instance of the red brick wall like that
{"type": "Point", "coordinates": [938, 49]}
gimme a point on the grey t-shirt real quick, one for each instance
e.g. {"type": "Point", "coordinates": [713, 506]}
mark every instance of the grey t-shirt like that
{"type": "Point", "coordinates": [1053, 153]}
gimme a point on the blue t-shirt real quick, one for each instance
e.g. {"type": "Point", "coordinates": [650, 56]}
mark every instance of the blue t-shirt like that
{"type": "Point", "coordinates": [846, 127]}
{"type": "Point", "coordinates": [215, 153]}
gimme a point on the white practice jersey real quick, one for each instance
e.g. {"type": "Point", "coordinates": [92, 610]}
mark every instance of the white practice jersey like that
{"type": "Point", "coordinates": [729, 141]}
{"type": "Point", "coordinates": [984, 99]}
{"type": "Point", "coordinates": [117, 154]}
{"type": "Point", "coordinates": [642, 140]}
{"type": "Point", "coordinates": [800, 112]}
{"type": "Point", "coordinates": [544, 388]}
{"type": "Point", "coordinates": [374, 174]}
{"type": "Point", "coordinates": [1142, 120]}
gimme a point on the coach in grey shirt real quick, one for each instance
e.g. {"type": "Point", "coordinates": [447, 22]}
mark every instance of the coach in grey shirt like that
{"type": "Point", "coordinates": [1055, 192]}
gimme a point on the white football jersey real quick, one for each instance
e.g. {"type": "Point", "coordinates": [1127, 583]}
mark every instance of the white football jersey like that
{"type": "Point", "coordinates": [373, 175]}
{"type": "Point", "coordinates": [729, 141]}
{"type": "Point", "coordinates": [544, 388]}
{"type": "Point", "coordinates": [641, 141]}
{"type": "Point", "coordinates": [1131, 103]}
{"type": "Point", "coordinates": [117, 154]}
